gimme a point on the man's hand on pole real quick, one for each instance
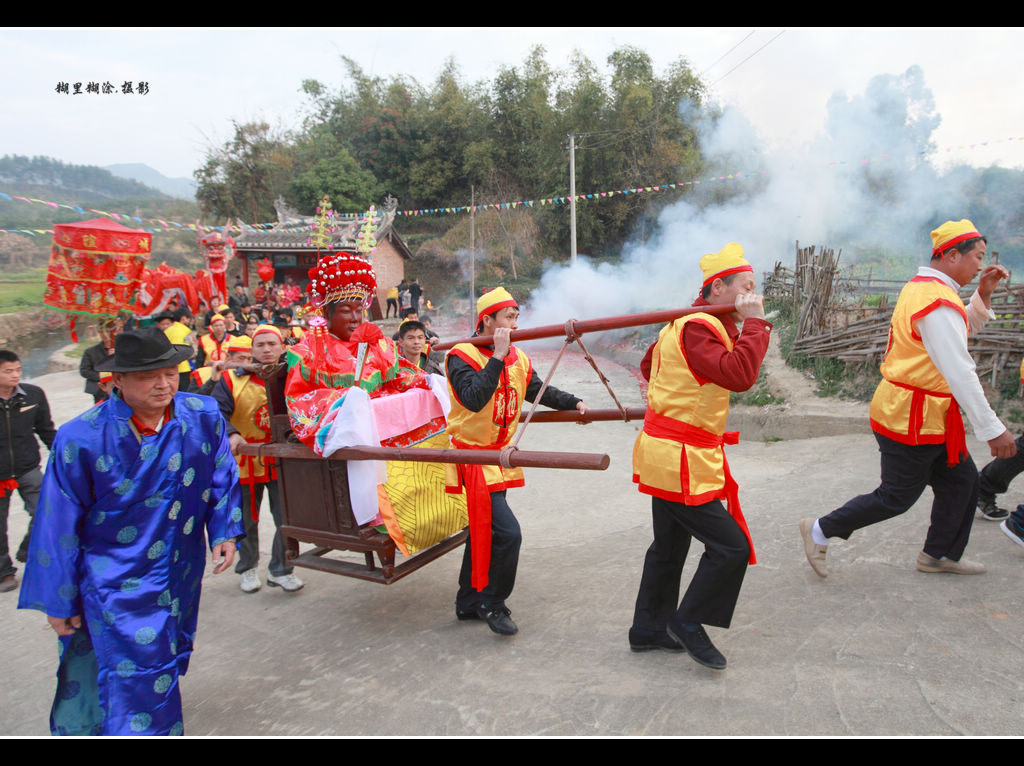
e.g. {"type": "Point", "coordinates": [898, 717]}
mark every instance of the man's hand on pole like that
{"type": "Point", "coordinates": [502, 342]}
{"type": "Point", "coordinates": [750, 305]}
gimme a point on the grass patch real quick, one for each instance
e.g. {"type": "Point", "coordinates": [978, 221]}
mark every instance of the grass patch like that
{"type": "Point", "coordinates": [832, 376]}
{"type": "Point", "coordinates": [22, 290]}
{"type": "Point", "coordinates": [757, 395]}
{"type": "Point", "coordinates": [1004, 399]}
{"type": "Point", "coordinates": [79, 350]}
{"type": "Point", "coordinates": [835, 378]}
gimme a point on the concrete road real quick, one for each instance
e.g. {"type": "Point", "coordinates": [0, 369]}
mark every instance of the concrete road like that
{"type": "Point", "coordinates": [876, 649]}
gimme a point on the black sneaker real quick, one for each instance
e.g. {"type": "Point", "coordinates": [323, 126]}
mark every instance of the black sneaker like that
{"type": "Point", "coordinates": [645, 641]}
{"type": "Point", "coordinates": [470, 615]}
{"type": "Point", "coordinates": [1013, 531]}
{"type": "Point", "coordinates": [987, 509]}
{"type": "Point", "coordinates": [698, 645]}
{"type": "Point", "coordinates": [498, 620]}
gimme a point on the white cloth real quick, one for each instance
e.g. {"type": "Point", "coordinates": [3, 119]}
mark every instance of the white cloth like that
{"type": "Point", "coordinates": [439, 387]}
{"type": "Point", "coordinates": [946, 343]}
{"type": "Point", "coordinates": [356, 426]}
{"type": "Point", "coordinates": [362, 421]}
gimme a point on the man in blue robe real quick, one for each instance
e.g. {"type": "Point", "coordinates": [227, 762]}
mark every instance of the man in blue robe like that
{"type": "Point", "coordinates": [117, 554]}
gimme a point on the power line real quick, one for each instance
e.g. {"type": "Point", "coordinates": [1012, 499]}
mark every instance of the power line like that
{"type": "Point", "coordinates": [748, 58]}
{"type": "Point", "coordinates": [737, 45]}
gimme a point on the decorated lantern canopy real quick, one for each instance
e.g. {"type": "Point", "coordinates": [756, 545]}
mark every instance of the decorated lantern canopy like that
{"type": "Point", "coordinates": [217, 249]}
{"type": "Point", "coordinates": [95, 268]}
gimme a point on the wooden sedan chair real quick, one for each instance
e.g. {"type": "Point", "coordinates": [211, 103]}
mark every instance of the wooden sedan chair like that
{"type": "Point", "coordinates": [316, 508]}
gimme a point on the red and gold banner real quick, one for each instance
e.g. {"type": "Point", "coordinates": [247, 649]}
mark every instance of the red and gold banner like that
{"type": "Point", "coordinates": [95, 267]}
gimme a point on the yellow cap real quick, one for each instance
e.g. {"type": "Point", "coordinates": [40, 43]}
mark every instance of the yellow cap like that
{"type": "Point", "coordinates": [492, 301]}
{"type": "Point", "coordinates": [268, 328]}
{"type": "Point", "coordinates": [952, 233]}
{"type": "Point", "coordinates": [240, 343]}
{"type": "Point", "coordinates": [728, 260]}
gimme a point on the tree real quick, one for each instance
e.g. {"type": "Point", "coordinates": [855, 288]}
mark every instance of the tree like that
{"type": "Point", "coordinates": [325, 167]}
{"type": "Point", "coordinates": [243, 178]}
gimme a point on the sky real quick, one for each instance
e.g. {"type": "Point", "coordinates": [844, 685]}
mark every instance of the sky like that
{"type": "Point", "coordinates": [199, 80]}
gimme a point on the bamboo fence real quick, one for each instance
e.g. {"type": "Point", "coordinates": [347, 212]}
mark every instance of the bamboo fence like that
{"type": "Point", "coordinates": [837, 318]}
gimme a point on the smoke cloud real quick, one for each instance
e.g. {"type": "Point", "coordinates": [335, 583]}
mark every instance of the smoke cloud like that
{"type": "Point", "coordinates": [864, 184]}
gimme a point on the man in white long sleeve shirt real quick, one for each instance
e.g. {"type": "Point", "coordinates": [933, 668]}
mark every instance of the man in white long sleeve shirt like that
{"type": "Point", "coordinates": [927, 375]}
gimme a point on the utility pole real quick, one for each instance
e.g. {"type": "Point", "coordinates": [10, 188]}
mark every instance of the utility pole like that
{"type": "Point", "coordinates": [472, 258]}
{"type": "Point", "coordinates": [572, 199]}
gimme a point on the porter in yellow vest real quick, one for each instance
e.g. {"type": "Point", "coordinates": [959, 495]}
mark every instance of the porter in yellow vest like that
{"type": "Point", "coordinates": [487, 387]}
{"type": "Point", "coordinates": [927, 375]}
{"type": "Point", "coordinates": [242, 396]}
{"type": "Point", "coordinates": [237, 353]}
{"type": "Point", "coordinates": [213, 345]}
{"type": "Point", "coordinates": [680, 461]}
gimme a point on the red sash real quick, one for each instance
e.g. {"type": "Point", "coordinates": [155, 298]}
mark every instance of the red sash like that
{"type": "Point", "coordinates": [662, 427]}
{"type": "Point", "coordinates": [250, 482]}
{"type": "Point", "coordinates": [8, 485]}
{"type": "Point", "coordinates": [956, 438]}
{"type": "Point", "coordinates": [478, 506]}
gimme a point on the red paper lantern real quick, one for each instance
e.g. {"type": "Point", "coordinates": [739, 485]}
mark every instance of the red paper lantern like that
{"type": "Point", "coordinates": [265, 270]}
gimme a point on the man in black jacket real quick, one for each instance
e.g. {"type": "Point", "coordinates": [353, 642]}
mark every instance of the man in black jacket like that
{"type": "Point", "coordinates": [93, 356]}
{"type": "Point", "coordinates": [24, 414]}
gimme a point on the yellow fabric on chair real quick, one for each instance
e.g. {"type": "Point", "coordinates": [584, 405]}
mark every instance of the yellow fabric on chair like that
{"type": "Point", "coordinates": [414, 505]}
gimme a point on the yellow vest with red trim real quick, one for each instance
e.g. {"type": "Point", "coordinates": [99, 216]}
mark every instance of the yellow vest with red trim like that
{"type": "Point", "coordinates": [251, 419]}
{"type": "Point", "coordinates": [668, 468]}
{"type": "Point", "coordinates": [201, 374]}
{"type": "Point", "coordinates": [214, 351]}
{"type": "Point", "coordinates": [495, 424]}
{"type": "Point", "coordinates": [178, 333]}
{"type": "Point", "coordinates": [912, 400]}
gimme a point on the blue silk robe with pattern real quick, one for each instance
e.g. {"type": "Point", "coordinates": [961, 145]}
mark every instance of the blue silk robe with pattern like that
{"type": "Point", "coordinates": [119, 539]}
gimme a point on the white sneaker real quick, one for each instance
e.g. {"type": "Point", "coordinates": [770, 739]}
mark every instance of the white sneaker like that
{"type": "Point", "coordinates": [250, 581]}
{"type": "Point", "coordinates": [288, 582]}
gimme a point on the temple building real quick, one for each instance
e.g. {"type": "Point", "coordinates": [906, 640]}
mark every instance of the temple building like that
{"type": "Point", "coordinates": [288, 248]}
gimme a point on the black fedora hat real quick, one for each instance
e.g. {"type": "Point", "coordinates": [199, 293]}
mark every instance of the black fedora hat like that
{"type": "Point", "coordinates": [145, 349]}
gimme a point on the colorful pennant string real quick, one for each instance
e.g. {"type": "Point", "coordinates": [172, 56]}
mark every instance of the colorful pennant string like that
{"type": "Point", "coordinates": [158, 224]}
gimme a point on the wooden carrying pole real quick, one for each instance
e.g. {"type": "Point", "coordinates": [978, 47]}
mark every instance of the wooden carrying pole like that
{"type": "Point", "coordinates": [515, 458]}
{"type": "Point", "coordinates": [592, 416]}
{"type": "Point", "coordinates": [592, 325]}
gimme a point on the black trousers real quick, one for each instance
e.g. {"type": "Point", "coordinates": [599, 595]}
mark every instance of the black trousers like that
{"type": "Point", "coordinates": [30, 485]}
{"type": "Point", "coordinates": [715, 588]}
{"type": "Point", "coordinates": [995, 477]}
{"type": "Point", "coordinates": [906, 471]}
{"type": "Point", "coordinates": [506, 539]}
